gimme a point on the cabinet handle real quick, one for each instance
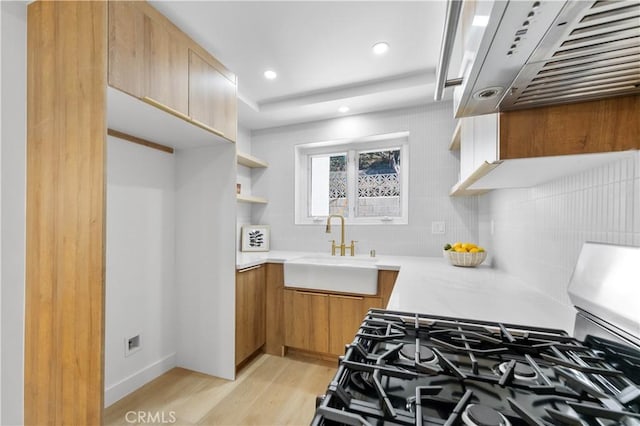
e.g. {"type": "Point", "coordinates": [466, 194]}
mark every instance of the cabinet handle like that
{"type": "Point", "coordinates": [348, 297]}
{"type": "Point", "coordinates": [165, 108]}
{"type": "Point", "coordinates": [208, 128]}
{"type": "Point", "coordinates": [311, 293]}
{"type": "Point", "coordinates": [250, 268]}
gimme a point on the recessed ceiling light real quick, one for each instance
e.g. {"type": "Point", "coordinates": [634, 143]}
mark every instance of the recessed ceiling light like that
{"type": "Point", "coordinates": [380, 48]}
{"type": "Point", "coordinates": [343, 109]}
{"type": "Point", "coordinates": [270, 74]}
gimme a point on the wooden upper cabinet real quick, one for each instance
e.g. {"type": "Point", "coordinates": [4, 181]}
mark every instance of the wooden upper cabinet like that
{"type": "Point", "coordinates": [212, 97]}
{"type": "Point", "coordinates": [604, 125]}
{"type": "Point", "coordinates": [126, 47]}
{"type": "Point", "coordinates": [166, 67]}
{"type": "Point", "coordinates": [547, 142]}
{"type": "Point", "coordinates": [152, 59]}
{"type": "Point", "coordinates": [146, 58]}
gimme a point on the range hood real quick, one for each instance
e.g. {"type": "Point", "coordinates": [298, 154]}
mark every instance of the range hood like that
{"type": "Point", "coordinates": [535, 53]}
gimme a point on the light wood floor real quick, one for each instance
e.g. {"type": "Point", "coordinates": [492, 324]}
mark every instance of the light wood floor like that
{"type": "Point", "coordinates": [269, 391]}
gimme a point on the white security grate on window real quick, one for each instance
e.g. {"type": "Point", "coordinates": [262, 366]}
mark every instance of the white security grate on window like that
{"type": "Point", "coordinates": [364, 180]}
{"type": "Point", "coordinates": [337, 185]}
{"type": "Point", "coordinates": [381, 185]}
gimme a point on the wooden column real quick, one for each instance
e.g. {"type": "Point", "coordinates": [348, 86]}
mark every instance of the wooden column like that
{"type": "Point", "coordinates": [274, 309]}
{"type": "Point", "coordinates": [66, 133]}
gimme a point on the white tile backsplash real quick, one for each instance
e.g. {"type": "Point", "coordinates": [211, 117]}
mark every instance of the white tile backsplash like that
{"type": "Point", "coordinates": [433, 171]}
{"type": "Point", "coordinates": [539, 231]}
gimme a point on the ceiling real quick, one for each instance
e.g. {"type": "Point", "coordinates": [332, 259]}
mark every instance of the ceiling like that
{"type": "Point", "coordinates": [321, 52]}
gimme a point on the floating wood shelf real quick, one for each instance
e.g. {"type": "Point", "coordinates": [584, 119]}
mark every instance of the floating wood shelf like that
{"type": "Point", "coordinates": [251, 199]}
{"type": "Point", "coordinates": [455, 139]}
{"type": "Point", "coordinates": [462, 188]}
{"type": "Point", "coordinates": [530, 172]}
{"type": "Point", "coordinates": [251, 161]}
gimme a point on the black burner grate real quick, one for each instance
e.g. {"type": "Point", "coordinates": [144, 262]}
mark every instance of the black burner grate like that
{"type": "Point", "coordinates": [407, 369]}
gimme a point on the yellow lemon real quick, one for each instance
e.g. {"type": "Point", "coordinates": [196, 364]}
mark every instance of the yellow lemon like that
{"type": "Point", "coordinates": [474, 250]}
{"type": "Point", "coordinates": [456, 245]}
{"type": "Point", "coordinates": [460, 250]}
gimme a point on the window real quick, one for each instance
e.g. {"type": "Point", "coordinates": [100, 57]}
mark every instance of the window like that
{"type": "Point", "coordinates": [363, 180]}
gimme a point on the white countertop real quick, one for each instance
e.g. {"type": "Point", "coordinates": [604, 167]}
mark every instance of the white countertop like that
{"type": "Point", "coordinates": [430, 285]}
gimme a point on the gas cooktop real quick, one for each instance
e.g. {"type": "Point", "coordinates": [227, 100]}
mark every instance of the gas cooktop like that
{"type": "Point", "coordinates": [407, 369]}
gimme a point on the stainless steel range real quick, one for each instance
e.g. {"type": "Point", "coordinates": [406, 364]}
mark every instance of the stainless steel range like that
{"type": "Point", "coordinates": [405, 368]}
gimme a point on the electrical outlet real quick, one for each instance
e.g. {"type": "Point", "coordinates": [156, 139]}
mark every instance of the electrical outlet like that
{"type": "Point", "coordinates": [437, 227]}
{"type": "Point", "coordinates": [131, 344]}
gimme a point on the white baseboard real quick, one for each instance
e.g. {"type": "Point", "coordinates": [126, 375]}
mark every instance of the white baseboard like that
{"type": "Point", "coordinates": [129, 384]}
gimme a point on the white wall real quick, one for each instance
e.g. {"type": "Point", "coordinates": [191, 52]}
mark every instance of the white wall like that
{"type": "Point", "coordinates": [13, 168]}
{"type": "Point", "coordinates": [0, 212]}
{"type": "Point", "coordinates": [140, 258]}
{"type": "Point", "coordinates": [538, 232]}
{"type": "Point", "coordinates": [205, 259]}
{"type": "Point", "coordinates": [433, 171]}
{"type": "Point", "coordinates": [243, 144]}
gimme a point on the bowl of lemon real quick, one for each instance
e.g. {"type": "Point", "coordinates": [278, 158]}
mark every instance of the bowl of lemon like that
{"type": "Point", "coordinates": [464, 254]}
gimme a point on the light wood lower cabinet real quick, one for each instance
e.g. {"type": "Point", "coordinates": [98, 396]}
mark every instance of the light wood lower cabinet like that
{"type": "Point", "coordinates": [345, 316]}
{"type": "Point", "coordinates": [312, 321]}
{"type": "Point", "coordinates": [306, 320]}
{"type": "Point", "coordinates": [250, 312]}
{"type": "Point", "coordinates": [322, 322]}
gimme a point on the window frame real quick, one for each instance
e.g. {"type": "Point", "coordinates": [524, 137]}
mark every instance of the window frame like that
{"type": "Point", "coordinates": [304, 153]}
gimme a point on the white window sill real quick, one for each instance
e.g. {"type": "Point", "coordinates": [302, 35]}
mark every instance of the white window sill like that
{"type": "Point", "coordinates": [358, 221]}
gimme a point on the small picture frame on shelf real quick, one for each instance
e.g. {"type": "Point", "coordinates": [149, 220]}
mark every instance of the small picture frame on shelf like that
{"type": "Point", "coordinates": [255, 238]}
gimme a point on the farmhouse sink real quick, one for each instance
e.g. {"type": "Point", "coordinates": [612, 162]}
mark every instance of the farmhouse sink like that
{"type": "Point", "coordinates": [345, 274]}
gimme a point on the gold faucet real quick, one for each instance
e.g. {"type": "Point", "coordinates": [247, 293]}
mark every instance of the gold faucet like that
{"type": "Point", "coordinates": [342, 246]}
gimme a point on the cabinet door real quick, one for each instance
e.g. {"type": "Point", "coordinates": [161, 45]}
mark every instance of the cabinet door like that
{"type": "Point", "coordinates": [126, 47]}
{"type": "Point", "coordinates": [306, 320]}
{"type": "Point", "coordinates": [212, 97]}
{"type": "Point", "coordinates": [478, 143]}
{"type": "Point", "coordinates": [345, 316]}
{"type": "Point", "coordinates": [166, 67]}
{"type": "Point", "coordinates": [250, 312]}
{"type": "Point", "coordinates": [466, 148]}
